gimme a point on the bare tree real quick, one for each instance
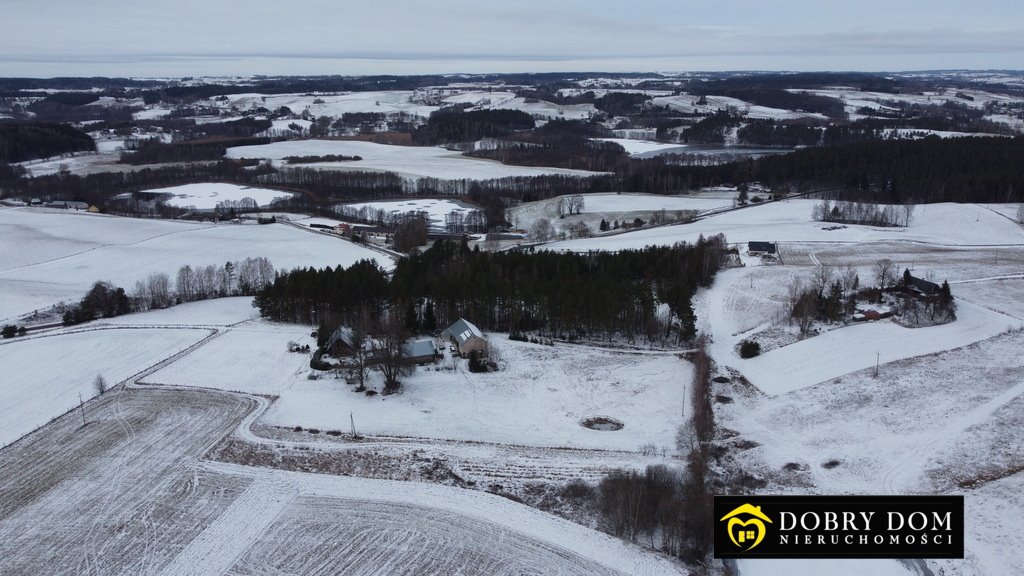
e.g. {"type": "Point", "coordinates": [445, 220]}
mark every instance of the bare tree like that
{"type": "Point", "coordinates": [141, 297]}
{"type": "Point", "coordinates": [563, 207]}
{"type": "Point", "coordinates": [388, 346]}
{"type": "Point", "coordinates": [158, 285]}
{"type": "Point", "coordinates": [359, 366]}
{"type": "Point", "coordinates": [849, 279]}
{"type": "Point", "coordinates": [1020, 213]}
{"type": "Point", "coordinates": [185, 285]}
{"type": "Point", "coordinates": [579, 230]}
{"type": "Point", "coordinates": [885, 273]}
{"type": "Point", "coordinates": [575, 203]}
{"type": "Point", "coordinates": [99, 384]}
{"type": "Point", "coordinates": [542, 230]}
{"type": "Point", "coordinates": [907, 212]}
{"type": "Point", "coordinates": [822, 278]}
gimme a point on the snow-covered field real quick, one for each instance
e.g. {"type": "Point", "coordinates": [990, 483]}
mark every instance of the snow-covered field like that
{"type": "Point", "coordinates": [48, 256]}
{"type": "Point", "coordinates": [206, 196]}
{"type": "Point", "coordinates": [624, 207]}
{"type": "Point", "coordinates": [817, 359]}
{"type": "Point", "coordinates": [66, 489]}
{"type": "Point", "coordinates": [252, 357]}
{"type": "Point", "coordinates": [689, 103]}
{"type": "Point", "coordinates": [638, 147]}
{"type": "Point", "coordinates": [899, 433]}
{"type": "Point", "coordinates": [43, 377]}
{"type": "Point", "coordinates": [206, 313]}
{"type": "Point", "coordinates": [436, 209]}
{"type": "Point", "coordinates": [407, 161]}
{"type": "Point", "coordinates": [393, 101]}
{"type": "Point", "coordinates": [538, 399]}
{"type": "Point", "coordinates": [790, 221]}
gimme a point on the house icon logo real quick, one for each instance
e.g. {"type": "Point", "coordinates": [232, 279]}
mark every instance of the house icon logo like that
{"type": "Point", "coordinates": [746, 526]}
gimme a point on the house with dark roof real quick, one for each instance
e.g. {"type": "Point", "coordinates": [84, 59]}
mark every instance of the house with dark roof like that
{"type": "Point", "coordinates": [923, 287]}
{"type": "Point", "coordinates": [340, 343]}
{"type": "Point", "coordinates": [466, 337]}
{"type": "Point", "coordinates": [757, 248]}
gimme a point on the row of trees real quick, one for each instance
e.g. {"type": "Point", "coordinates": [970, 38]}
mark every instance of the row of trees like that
{"type": "Point", "coordinates": [864, 213]}
{"type": "Point", "coordinates": [104, 300]}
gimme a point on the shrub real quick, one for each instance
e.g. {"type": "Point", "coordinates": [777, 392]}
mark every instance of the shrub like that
{"type": "Point", "coordinates": [10, 331]}
{"type": "Point", "coordinates": [749, 349]}
{"type": "Point", "coordinates": [577, 489]}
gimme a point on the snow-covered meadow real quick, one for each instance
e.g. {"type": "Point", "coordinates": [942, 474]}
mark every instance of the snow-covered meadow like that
{"type": "Point", "coordinates": [407, 161]}
{"type": "Point", "coordinates": [945, 224]}
{"type": "Point", "coordinates": [208, 195]}
{"type": "Point", "coordinates": [539, 398]}
{"type": "Point", "coordinates": [43, 377]}
{"type": "Point", "coordinates": [435, 208]}
{"type": "Point", "coordinates": [49, 256]}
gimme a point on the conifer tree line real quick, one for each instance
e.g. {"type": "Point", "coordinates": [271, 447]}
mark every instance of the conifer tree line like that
{"type": "Point", "coordinates": [597, 295]}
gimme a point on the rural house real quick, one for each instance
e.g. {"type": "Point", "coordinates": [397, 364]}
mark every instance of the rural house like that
{"type": "Point", "coordinates": [466, 337]}
{"type": "Point", "coordinates": [923, 287]}
{"type": "Point", "coordinates": [340, 343]}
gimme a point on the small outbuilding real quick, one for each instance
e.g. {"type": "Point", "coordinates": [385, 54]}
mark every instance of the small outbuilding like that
{"type": "Point", "coordinates": [420, 351]}
{"type": "Point", "coordinates": [466, 337]}
{"type": "Point", "coordinates": [758, 248]}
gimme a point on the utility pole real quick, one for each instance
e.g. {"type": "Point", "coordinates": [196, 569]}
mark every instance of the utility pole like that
{"type": "Point", "coordinates": [878, 356]}
{"type": "Point", "coordinates": [352, 420]}
{"type": "Point", "coordinates": [81, 405]}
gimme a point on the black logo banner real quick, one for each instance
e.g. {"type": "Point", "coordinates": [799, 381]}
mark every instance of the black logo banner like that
{"type": "Point", "coordinates": [839, 527]}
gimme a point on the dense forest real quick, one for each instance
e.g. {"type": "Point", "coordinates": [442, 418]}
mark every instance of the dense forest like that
{"type": "Point", "coordinates": [446, 126]}
{"type": "Point", "coordinates": [157, 152]}
{"type": "Point", "coordinates": [586, 296]}
{"type": "Point", "coordinates": [28, 141]}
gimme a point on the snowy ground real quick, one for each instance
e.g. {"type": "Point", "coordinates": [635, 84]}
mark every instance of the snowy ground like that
{"type": "Point", "coordinates": [436, 209]}
{"type": "Point", "coordinates": [206, 196]}
{"type": "Point", "coordinates": [102, 500]}
{"type": "Point", "coordinates": [408, 161]}
{"type": "Point", "coordinates": [393, 101]}
{"type": "Point", "coordinates": [815, 360]}
{"type": "Point", "coordinates": [790, 221]}
{"type": "Point", "coordinates": [539, 399]}
{"type": "Point", "coordinates": [48, 256]}
{"type": "Point", "coordinates": [624, 207]}
{"type": "Point", "coordinates": [638, 147]}
{"type": "Point", "coordinates": [205, 313]}
{"type": "Point", "coordinates": [44, 376]}
{"type": "Point", "coordinates": [689, 103]}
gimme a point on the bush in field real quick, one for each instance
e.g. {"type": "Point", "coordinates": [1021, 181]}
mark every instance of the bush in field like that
{"type": "Point", "coordinates": [749, 349]}
{"type": "Point", "coordinates": [577, 489]}
{"type": "Point", "coordinates": [9, 331]}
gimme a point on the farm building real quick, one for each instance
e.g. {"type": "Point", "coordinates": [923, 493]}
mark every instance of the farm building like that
{"type": "Point", "coordinates": [420, 351]}
{"type": "Point", "coordinates": [923, 287]}
{"type": "Point", "coordinates": [466, 336]}
{"type": "Point", "coordinates": [340, 343]}
{"type": "Point", "coordinates": [756, 248]}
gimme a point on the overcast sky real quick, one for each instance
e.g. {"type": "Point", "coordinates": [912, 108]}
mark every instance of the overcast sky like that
{"type": "Point", "coordinates": [224, 37]}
